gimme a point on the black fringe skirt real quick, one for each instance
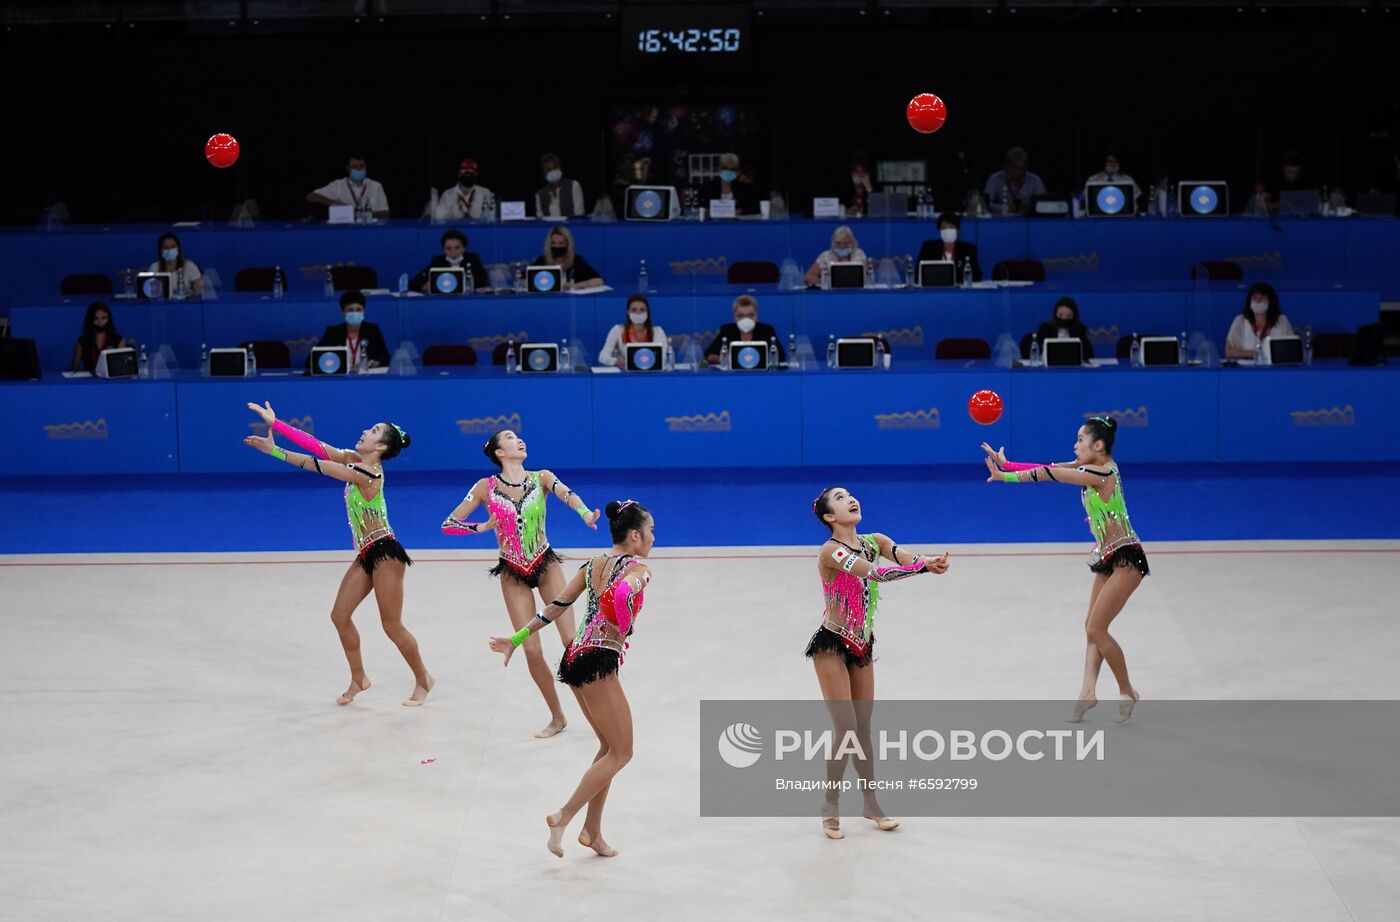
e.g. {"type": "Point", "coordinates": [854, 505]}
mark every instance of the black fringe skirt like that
{"type": "Point", "coordinates": [505, 570]}
{"type": "Point", "coordinates": [589, 666]}
{"type": "Point", "coordinates": [383, 549]}
{"type": "Point", "coordinates": [825, 640]}
{"type": "Point", "coordinates": [1130, 556]}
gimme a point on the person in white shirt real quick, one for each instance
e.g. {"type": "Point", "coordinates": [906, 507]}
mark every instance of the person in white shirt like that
{"type": "Point", "coordinates": [185, 278]}
{"type": "Point", "coordinates": [1112, 172]}
{"type": "Point", "coordinates": [558, 197]}
{"type": "Point", "coordinates": [466, 200]}
{"type": "Point", "coordinates": [844, 249]}
{"type": "Point", "coordinates": [1258, 320]}
{"type": "Point", "coordinates": [356, 189]}
{"type": "Point", "coordinates": [637, 329]}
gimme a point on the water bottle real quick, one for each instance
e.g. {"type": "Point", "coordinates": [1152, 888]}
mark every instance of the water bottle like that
{"type": "Point", "coordinates": [772, 354]}
{"type": "Point", "coordinates": [566, 361]}
{"type": "Point", "coordinates": [203, 360]}
{"type": "Point", "coordinates": [130, 284]}
{"type": "Point", "coordinates": [792, 349]}
{"type": "Point", "coordinates": [1258, 351]}
{"type": "Point", "coordinates": [403, 282]}
{"type": "Point", "coordinates": [826, 277]}
{"type": "Point", "coordinates": [642, 280]}
{"type": "Point", "coordinates": [668, 358]}
{"type": "Point", "coordinates": [1035, 350]}
{"type": "Point", "coordinates": [1307, 347]}
{"type": "Point", "coordinates": [869, 273]}
{"type": "Point", "coordinates": [145, 366]}
{"type": "Point", "coordinates": [967, 272]}
{"type": "Point", "coordinates": [179, 284]}
{"type": "Point", "coordinates": [510, 358]}
{"type": "Point", "coordinates": [470, 284]}
{"type": "Point", "coordinates": [1135, 356]}
{"type": "Point", "coordinates": [1181, 348]}
{"type": "Point", "coordinates": [520, 286]}
{"type": "Point", "coordinates": [724, 354]}
{"type": "Point", "coordinates": [908, 271]}
{"type": "Point", "coordinates": [330, 284]}
{"type": "Point", "coordinates": [362, 366]}
{"type": "Point", "coordinates": [251, 369]}
{"type": "Point", "coordinates": [277, 283]}
{"type": "Point", "coordinates": [831, 350]}
{"type": "Point", "coordinates": [880, 354]}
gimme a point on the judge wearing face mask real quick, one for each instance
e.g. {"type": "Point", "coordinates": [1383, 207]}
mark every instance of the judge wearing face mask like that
{"type": "Point", "coordinates": [1258, 320]}
{"type": "Point", "coordinates": [559, 197]}
{"type": "Point", "coordinates": [468, 199]}
{"type": "Point", "coordinates": [1113, 172]}
{"type": "Point", "coordinates": [744, 329]}
{"type": "Point", "coordinates": [454, 253]}
{"type": "Point", "coordinates": [559, 251]}
{"type": "Point", "coordinates": [857, 194]}
{"type": "Point", "coordinates": [357, 334]}
{"type": "Point", "coordinates": [637, 329]}
{"type": "Point", "coordinates": [948, 248]}
{"type": "Point", "coordinates": [844, 249]}
{"type": "Point", "coordinates": [1064, 323]}
{"type": "Point", "coordinates": [728, 185]}
{"type": "Point", "coordinates": [185, 280]}
{"type": "Point", "coordinates": [355, 188]}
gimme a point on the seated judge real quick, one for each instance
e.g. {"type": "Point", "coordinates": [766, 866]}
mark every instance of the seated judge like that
{"type": "Point", "coordinates": [949, 248]}
{"type": "Point", "coordinates": [637, 329]}
{"type": "Point", "coordinates": [729, 186]}
{"type": "Point", "coordinates": [454, 254]}
{"type": "Point", "coordinates": [355, 188]}
{"type": "Point", "coordinates": [1064, 323]}
{"type": "Point", "coordinates": [744, 329]}
{"type": "Point", "coordinates": [356, 333]}
{"type": "Point", "coordinates": [559, 251]}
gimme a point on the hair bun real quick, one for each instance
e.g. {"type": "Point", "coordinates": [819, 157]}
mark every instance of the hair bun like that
{"type": "Point", "coordinates": [612, 509]}
{"type": "Point", "coordinates": [407, 441]}
{"type": "Point", "coordinates": [1111, 423]}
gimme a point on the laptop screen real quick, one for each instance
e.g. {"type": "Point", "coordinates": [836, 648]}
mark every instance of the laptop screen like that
{"type": "Point", "coordinates": [1159, 350]}
{"type": "Point", "coordinates": [1063, 352]}
{"type": "Point", "coordinates": [847, 275]}
{"type": "Point", "coordinates": [1285, 350]}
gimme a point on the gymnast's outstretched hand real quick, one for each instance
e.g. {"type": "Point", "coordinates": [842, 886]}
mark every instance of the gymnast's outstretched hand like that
{"type": "Point", "coordinates": [501, 645]}
{"type": "Point", "coordinates": [265, 411]}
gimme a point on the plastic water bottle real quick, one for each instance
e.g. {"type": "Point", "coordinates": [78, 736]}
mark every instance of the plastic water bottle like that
{"type": "Point", "coordinates": [643, 283]}
{"type": "Point", "coordinates": [1035, 350]}
{"type": "Point", "coordinates": [967, 272]}
{"type": "Point", "coordinates": [869, 273]}
{"type": "Point", "coordinates": [772, 354]}
{"type": "Point", "coordinates": [1181, 348]}
{"type": "Point", "coordinates": [145, 366]}
{"type": "Point", "coordinates": [724, 354]}
{"type": "Point", "coordinates": [1135, 355]}
{"type": "Point", "coordinates": [792, 348]}
{"type": "Point", "coordinates": [362, 366]}
{"type": "Point", "coordinates": [277, 283]}
{"type": "Point", "coordinates": [251, 369]}
{"type": "Point", "coordinates": [566, 362]}
{"type": "Point", "coordinates": [130, 284]}
{"type": "Point", "coordinates": [826, 277]}
{"type": "Point", "coordinates": [203, 360]}
{"type": "Point", "coordinates": [831, 350]}
{"type": "Point", "coordinates": [520, 286]}
{"type": "Point", "coordinates": [403, 282]}
{"type": "Point", "coordinates": [668, 358]}
{"type": "Point", "coordinates": [330, 284]}
{"type": "Point", "coordinates": [469, 285]}
{"type": "Point", "coordinates": [1258, 351]}
{"type": "Point", "coordinates": [510, 358]}
{"type": "Point", "coordinates": [880, 354]}
{"type": "Point", "coordinates": [908, 271]}
{"type": "Point", "coordinates": [1307, 347]}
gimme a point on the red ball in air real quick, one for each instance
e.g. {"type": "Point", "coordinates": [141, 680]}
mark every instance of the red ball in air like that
{"type": "Point", "coordinates": [221, 150]}
{"type": "Point", "coordinates": [984, 407]}
{"type": "Point", "coordinates": [926, 113]}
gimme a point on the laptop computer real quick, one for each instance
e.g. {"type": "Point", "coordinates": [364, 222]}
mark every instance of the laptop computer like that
{"type": "Point", "coordinates": [228, 363]}
{"type": "Point", "coordinates": [1063, 353]}
{"type": "Point", "coordinates": [936, 273]}
{"type": "Point", "coordinates": [1203, 198]}
{"type": "Point", "coordinates": [1299, 203]}
{"type": "Point", "coordinates": [748, 356]}
{"type": "Point", "coordinates": [153, 286]}
{"type": "Point", "coordinates": [539, 358]}
{"type": "Point", "coordinates": [449, 280]}
{"type": "Point", "coordinates": [1381, 204]}
{"type": "Point", "coordinates": [1160, 350]}
{"type": "Point", "coordinates": [652, 203]}
{"type": "Point", "coordinates": [544, 279]}
{"type": "Point", "coordinates": [847, 275]}
{"type": "Point", "coordinates": [19, 359]}
{"type": "Point", "coordinates": [330, 360]}
{"type": "Point", "coordinates": [855, 352]}
{"type": "Point", "coordinates": [116, 363]}
{"type": "Point", "coordinates": [1109, 200]}
{"type": "Point", "coordinates": [645, 356]}
{"type": "Point", "coordinates": [886, 205]}
{"type": "Point", "coordinates": [1284, 350]}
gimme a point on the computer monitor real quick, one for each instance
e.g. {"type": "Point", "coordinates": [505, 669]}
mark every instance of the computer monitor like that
{"type": "Point", "coordinates": [1381, 204]}
{"type": "Point", "coordinates": [847, 275]}
{"type": "Point", "coordinates": [1109, 200]}
{"type": "Point", "coordinates": [19, 359]}
{"type": "Point", "coordinates": [228, 363]}
{"type": "Point", "coordinates": [936, 273]}
{"type": "Point", "coordinates": [652, 203]}
{"type": "Point", "coordinates": [330, 360]}
{"type": "Point", "coordinates": [1299, 203]}
{"type": "Point", "coordinates": [1284, 350]}
{"type": "Point", "coordinates": [1160, 350]}
{"type": "Point", "coordinates": [855, 352]}
{"type": "Point", "coordinates": [645, 356]}
{"type": "Point", "coordinates": [1063, 353]}
{"type": "Point", "coordinates": [539, 358]}
{"type": "Point", "coordinates": [1203, 198]}
{"type": "Point", "coordinates": [153, 286]}
{"type": "Point", "coordinates": [544, 279]}
{"type": "Point", "coordinates": [116, 363]}
{"type": "Point", "coordinates": [748, 356]}
{"type": "Point", "coordinates": [450, 280]}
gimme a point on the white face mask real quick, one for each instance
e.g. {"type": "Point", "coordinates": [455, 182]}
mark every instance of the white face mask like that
{"type": "Point", "coordinates": [554, 176]}
{"type": "Point", "coordinates": [455, 260]}
{"type": "Point", "coordinates": [1259, 307]}
{"type": "Point", "coordinates": [858, 180]}
{"type": "Point", "coordinates": [949, 235]}
{"type": "Point", "coordinates": [746, 324]}
{"type": "Point", "coordinates": [638, 317]}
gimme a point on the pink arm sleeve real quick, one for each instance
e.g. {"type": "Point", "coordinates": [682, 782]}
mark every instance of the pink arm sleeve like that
{"type": "Point", "coordinates": [1021, 466]}
{"type": "Point", "coordinates": [300, 439]}
{"type": "Point", "coordinates": [890, 574]}
{"type": "Point", "coordinates": [451, 526]}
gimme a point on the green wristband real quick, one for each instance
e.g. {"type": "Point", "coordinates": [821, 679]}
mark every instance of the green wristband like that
{"type": "Point", "coordinates": [278, 453]}
{"type": "Point", "coordinates": [582, 512]}
{"type": "Point", "coordinates": [519, 636]}
{"type": "Point", "coordinates": [1011, 476]}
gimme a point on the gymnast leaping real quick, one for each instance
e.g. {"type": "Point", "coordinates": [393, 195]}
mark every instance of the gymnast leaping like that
{"type": "Point", "coordinates": [380, 561]}
{"type": "Point", "coordinates": [1118, 560]}
{"type": "Point", "coordinates": [615, 583]}
{"type": "Point", "coordinates": [515, 499]}
{"type": "Point", "coordinates": [841, 650]}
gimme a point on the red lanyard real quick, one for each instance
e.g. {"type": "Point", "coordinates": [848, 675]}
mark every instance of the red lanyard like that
{"type": "Point", "coordinates": [354, 343]}
{"type": "Point", "coordinates": [466, 202]}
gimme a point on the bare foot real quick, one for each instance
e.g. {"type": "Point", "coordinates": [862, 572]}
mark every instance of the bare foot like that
{"type": "Point", "coordinates": [420, 692]}
{"type": "Point", "coordinates": [1081, 707]}
{"type": "Point", "coordinates": [598, 845]}
{"type": "Point", "coordinates": [1125, 706]}
{"type": "Point", "coordinates": [885, 823]}
{"type": "Point", "coordinates": [555, 822]}
{"type": "Point", "coordinates": [356, 686]}
{"type": "Point", "coordinates": [552, 728]}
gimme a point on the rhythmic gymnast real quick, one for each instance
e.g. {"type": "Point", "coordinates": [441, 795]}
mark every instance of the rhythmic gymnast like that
{"type": "Point", "coordinates": [615, 583]}
{"type": "Point", "coordinates": [515, 499]}
{"type": "Point", "coordinates": [1117, 560]}
{"type": "Point", "coordinates": [380, 561]}
{"type": "Point", "coordinates": [842, 648]}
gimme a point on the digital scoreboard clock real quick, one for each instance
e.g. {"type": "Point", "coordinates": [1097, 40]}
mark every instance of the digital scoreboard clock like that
{"type": "Point", "coordinates": [686, 41]}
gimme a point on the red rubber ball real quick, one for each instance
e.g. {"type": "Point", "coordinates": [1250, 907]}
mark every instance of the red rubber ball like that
{"type": "Point", "coordinates": [984, 407]}
{"type": "Point", "coordinates": [221, 150]}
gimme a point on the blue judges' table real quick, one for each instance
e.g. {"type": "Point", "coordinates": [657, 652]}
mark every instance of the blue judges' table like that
{"type": "Point", "coordinates": [1357, 252]}
{"type": "Point", "coordinates": [913, 320]}
{"type": "Point", "coordinates": [911, 415]}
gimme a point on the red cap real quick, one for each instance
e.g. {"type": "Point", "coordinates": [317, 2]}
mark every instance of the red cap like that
{"type": "Point", "coordinates": [468, 165]}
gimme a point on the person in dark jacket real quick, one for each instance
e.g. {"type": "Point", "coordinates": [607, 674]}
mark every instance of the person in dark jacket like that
{"type": "Point", "coordinates": [454, 254]}
{"type": "Point", "coordinates": [1064, 323]}
{"type": "Point", "coordinates": [355, 333]}
{"type": "Point", "coordinates": [949, 248]}
{"type": "Point", "coordinates": [745, 328]}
